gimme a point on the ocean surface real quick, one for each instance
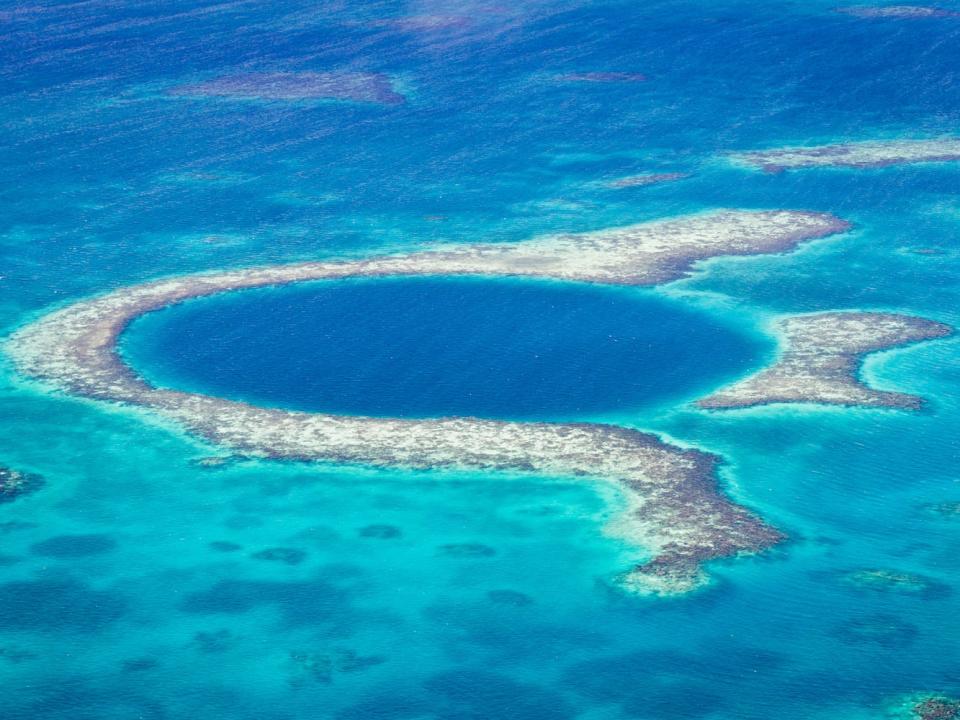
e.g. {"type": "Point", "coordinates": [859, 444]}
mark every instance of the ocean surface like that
{"type": "Point", "coordinates": [140, 583]}
{"type": "Point", "coordinates": [478, 347]}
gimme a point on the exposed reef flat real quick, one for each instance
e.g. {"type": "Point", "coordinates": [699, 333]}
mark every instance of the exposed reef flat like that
{"type": "Point", "coordinates": [676, 511]}
{"type": "Point", "coordinates": [820, 359]}
{"type": "Point", "coordinates": [897, 11]}
{"type": "Point", "coordinates": [352, 86]}
{"type": "Point", "coordinates": [852, 155]}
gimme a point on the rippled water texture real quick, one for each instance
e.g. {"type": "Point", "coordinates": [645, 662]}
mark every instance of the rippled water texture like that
{"type": "Point", "coordinates": [434, 348]}
{"type": "Point", "coordinates": [140, 140]}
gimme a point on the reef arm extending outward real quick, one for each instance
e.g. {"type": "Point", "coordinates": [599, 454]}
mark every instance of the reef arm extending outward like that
{"type": "Point", "coordinates": [677, 512]}
{"type": "Point", "coordinates": [852, 155]}
{"type": "Point", "coordinates": [820, 360]}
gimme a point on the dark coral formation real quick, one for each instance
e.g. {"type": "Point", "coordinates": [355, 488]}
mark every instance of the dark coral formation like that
{"type": "Point", "coordinates": [16, 526]}
{"type": "Point", "coordinates": [15, 484]}
{"type": "Point", "coordinates": [140, 664]}
{"type": "Point", "coordinates": [224, 546]}
{"type": "Point", "coordinates": [381, 532]}
{"type": "Point", "coordinates": [16, 655]}
{"type": "Point", "coordinates": [321, 667]}
{"type": "Point", "coordinates": [74, 546]}
{"type": "Point", "coordinates": [882, 629]}
{"type": "Point", "coordinates": [58, 605]}
{"type": "Point", "coordinates": [950, 510]}
{"type": "Point", "coordinates": [937, 707]}
{"type": "Point", "coordinates": [467, 550]}
{"type": "Point", "coordinates": [214, 462]}
{"type": "Point", "coordinates": [887, 580]}
{"type": "Point", "coordinates": [287, 556]}
{"type": "Point", "coordinates": [352, 86]}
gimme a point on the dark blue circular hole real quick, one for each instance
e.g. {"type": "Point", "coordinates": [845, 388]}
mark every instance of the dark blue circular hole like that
{"type": "Point", "coordinates": [431, 347]}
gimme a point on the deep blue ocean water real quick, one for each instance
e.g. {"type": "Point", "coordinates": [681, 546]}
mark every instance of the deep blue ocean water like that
{"type": "Point", "coordinates": [137, 584]}
{"type": "Point", "coordinates": [434, 347]}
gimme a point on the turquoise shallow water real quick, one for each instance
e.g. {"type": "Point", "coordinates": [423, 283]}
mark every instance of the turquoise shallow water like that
{"type": "Point", "coordinates": [136, 583]}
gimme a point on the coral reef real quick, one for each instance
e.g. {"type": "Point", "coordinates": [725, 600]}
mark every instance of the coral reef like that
{"type": "Point", "coordinates": [15, 484]}
{"type": "Point", "coordinates": [937, 707]}
{"type": "Point", "coordinates": [676, 512]}
{"type": "Point", "coordinates": [321, 667]}
{"type": "Point", "coordinates": [820, 359]}
{"type": "Point", "coordinates": [886, 580]}
{"type": "Point", "coordinates": [852, 155]}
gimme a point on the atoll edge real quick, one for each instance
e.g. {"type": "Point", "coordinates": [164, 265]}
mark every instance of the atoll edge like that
{"type": "Point", "coordinates": [678, 513]}
{"type": "Point", "coordinates": [820, 359]}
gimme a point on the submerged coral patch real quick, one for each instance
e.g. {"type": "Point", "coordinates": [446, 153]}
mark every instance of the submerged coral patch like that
{"type": "Point", "coordinates": [948, 510]}
{"type": "Point", "coordinates": [381, 532]}
{"type": "Point", "coordinates": [73, 546]}
{"type": "Point", "coordinates": [897, 11]}
{"type": "Point", "coordinates": [287, 556]}
{"type": "Point", "coordinates": [883, 629]}
{"type": "Point", "coordinates": [467, 550]}
{"type": "Point", "coordinates": [886, 580]}
{"type": "Point", "coordinates": [645, 180]}
{"type": "Point", "coordinates": [603, 77]}
{"type": "Point", "coordinates": [353, 86]}
{"type": "Point", "coordinates": [16, 483]}
{"type": "Point", "coordinates": [224, 546]}
{"type": "Point", "coordinates": [321, 667]}
{"type": "Point", "coordinates": [57, 606]}
{"type": "Point", "coordinates": [937, 707]}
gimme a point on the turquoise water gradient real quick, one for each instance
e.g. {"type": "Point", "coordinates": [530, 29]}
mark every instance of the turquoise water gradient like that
{"type": "Point", "coordinates": [138, 584]}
